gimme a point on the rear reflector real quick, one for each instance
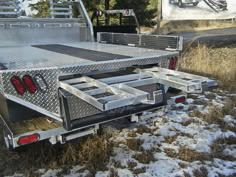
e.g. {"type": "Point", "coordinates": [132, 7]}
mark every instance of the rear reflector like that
{"type": "Point", "coordinates": [41, 83]}
{"type": "Point", "coordinates": [28, 139]}
{"type": "Point", "coordinates": [180, 99]}
{"type": "Point", "coordinates": [29, 83]}
{"type": "Point", "coordinates": [173, 62]}
{"type": "Point", "coordinates": [16, 82]}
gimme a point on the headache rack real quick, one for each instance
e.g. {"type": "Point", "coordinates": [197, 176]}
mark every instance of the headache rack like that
{"type": "Point", "coordinates": [9, 8]}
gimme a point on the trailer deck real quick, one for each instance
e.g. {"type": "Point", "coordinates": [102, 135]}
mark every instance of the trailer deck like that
{"type": "Point", "coordinates": [61, 55]}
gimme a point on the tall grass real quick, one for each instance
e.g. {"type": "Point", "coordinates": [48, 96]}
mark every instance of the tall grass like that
{"type": "Point", "coordinates": [219, 63]}
{"type": "Point", "coordinates": [92, 152]}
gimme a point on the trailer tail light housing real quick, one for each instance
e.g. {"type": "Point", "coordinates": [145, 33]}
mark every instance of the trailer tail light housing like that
{"type": "Point", "coordinates": [180, 99]}
{"type": "Point", "coordinates": [41, 83]}
{"type": "Point", "coordinates": [29, 83]}
{"type": "Point", "coordinates": [172, 63]}
{"type": "Point", "coordinates": [18, 85]}
{"type": "Point", "coordinates": [28, 139]}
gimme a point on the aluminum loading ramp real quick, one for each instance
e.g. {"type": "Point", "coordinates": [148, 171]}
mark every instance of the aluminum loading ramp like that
{"type": "Point", "coordinates": [115, 92]}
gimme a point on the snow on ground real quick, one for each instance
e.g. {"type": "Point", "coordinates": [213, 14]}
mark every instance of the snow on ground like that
{"type": "Point", "coordinates": [172, 130]}
{"type": "Point", "coordinates": [169, 143]}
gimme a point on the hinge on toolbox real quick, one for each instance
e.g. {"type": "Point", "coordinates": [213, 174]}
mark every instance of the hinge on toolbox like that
{"type": "Point", "coordinates": [119, 91]}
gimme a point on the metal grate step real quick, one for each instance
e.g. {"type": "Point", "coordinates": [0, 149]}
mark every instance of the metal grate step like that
{"type": "Point", "coordinates": [119, 91]}
{"type": "Point", "coordinates": [110, 96]}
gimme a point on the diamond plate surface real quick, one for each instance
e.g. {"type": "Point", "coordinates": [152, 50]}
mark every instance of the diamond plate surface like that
{"type": "Point", "coordinates": [18, 32]}
{"type": "Point", "coordinates": [149, 88]}
{"type": "Point", "coordinates": [146, 41]}
{"type": "Point", "coordinates": [150, 41]}
{"type": "Point", "coordinates": [80, 108]}
{"type": "Point", "coordinates": [49, 100]}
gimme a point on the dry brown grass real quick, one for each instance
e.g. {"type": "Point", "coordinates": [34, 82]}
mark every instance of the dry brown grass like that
{"type": "Point", "coordinates": [216, 114]}
{"type": "Point", "coordinates": [188, 122]}
{"type": "Point", "coordinates": [135, 144]}
{"type": "Point", "coordinates": [132, 134]}
{"type": "Point", "coordinates": [171, 139]}
{"type": "Point", "coordinates": [187, 154]}
{"type": "Point", "coordinates": [143, 129]}
{"type": "Point", "coordinates": [137, 171]}
{"type": "Point", "coordinates": [117, 164]}
{"type": "Point", "coordinates": [93, 152]}
{"type": "Point", "coordinates": [113, 173]}
{"type": "Point", "coordinates": [171, 152]}
{"type": "Point", "coordinates": [201, 172]}
{"type": "Point", "coordinates": [193, 25]}
{"type": "Point", "coordinates": [218, 147]}
{"type": "Point", "coordinates": [191, 155]}
{"type": "Point", "coordinates": [144, 157]}
{"type": "Point", "coordinates": [131, 164]}
{"type": "Point", "coordinates": [215, 62]}
{"type": "Point", "coordinates": [229, 107]}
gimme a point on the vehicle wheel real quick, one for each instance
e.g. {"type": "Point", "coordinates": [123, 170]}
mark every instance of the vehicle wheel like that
{"type": "Point", "coordinates": [180, 3]}
{"type": "Point", "coordinates": [195, 3]}
{"type": "Point", "coordinates": [7, 141]}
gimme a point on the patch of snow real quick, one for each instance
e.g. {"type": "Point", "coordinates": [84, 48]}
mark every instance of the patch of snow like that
{"type": "Point", "coordinates": [51, 173]}
{"type": "Point", "coordinates": [230, 120]}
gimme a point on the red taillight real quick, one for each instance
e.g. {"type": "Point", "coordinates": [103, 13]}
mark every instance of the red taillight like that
{"type": "Point", "coordinates": [180, 99]}
{"type": "Point", "coordinates": [28, 139]}
{"type": "Point", "coordinates": [173, 62]}
{"type": "Point", "coordinates": [16, 82]}
{"type": "Point", "coordinates": [29, 83]}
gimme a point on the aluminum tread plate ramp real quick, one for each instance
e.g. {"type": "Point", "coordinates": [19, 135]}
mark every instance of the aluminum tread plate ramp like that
{"type": "Point", "coordinates": [186, 82]}
{"type": "Point", "coordinates": [107, 97]}
{"type": "Point", "coordinates": [87, 54]}
{"type": "Point", "coordinates": [120, 91]}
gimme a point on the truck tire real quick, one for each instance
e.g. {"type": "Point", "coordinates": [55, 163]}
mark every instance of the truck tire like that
{"type": "Point", "coordinates": [180, 3]}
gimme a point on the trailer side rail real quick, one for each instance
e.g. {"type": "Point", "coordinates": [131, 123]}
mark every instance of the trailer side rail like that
{"type": "Point", "coordinates": [162, 42]}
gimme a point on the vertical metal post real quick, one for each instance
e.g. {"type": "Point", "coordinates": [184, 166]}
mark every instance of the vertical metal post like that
{"type": "Point", "coordinates": [159, 16]}
{"type": "Point", "coordinates": [107, 7]}
{"type": "Point", "coordinates": [90, 35]}
{"type": "Point", "coordinates": [70, 9]}
{"type": "Point", "coordinates": [120, 18]}
{"type": "Point", "coordinates": [18, 10]}
{"type": "Point", "coordinates": [51, 9]}
{"type": "Point", "coordinates": [233, 20]}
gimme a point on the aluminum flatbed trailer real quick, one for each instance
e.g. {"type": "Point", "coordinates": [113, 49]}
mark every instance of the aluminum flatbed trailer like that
{"type": "Point", "coordinates": [56, 83]}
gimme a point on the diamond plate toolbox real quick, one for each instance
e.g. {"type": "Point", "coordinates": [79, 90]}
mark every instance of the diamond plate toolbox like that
{"type": "Point", "coordinates": [48, 102]}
